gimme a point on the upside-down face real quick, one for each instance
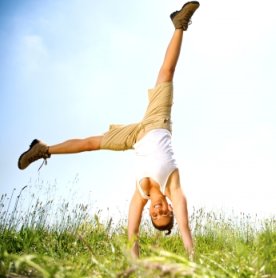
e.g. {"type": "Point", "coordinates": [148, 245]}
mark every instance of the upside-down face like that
{"type": "Point", "coordinates": [161, 212]}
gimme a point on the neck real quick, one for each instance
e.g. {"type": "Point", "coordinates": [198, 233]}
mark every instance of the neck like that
{"type": "Point", "coordinates": [155, 193]}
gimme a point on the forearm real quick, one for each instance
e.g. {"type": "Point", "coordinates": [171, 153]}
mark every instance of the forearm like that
{"type": "Point", "coordinates": [133, 242]}
{"type": "Point", "coordinates": [181, 216]}
{"type": "Point", "coordinates": [182, 219]}
{"type": "Point", "coordinates": [134, 219]}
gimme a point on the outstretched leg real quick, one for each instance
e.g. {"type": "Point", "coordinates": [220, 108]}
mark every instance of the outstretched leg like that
{"type": "Point", "coordinates": [76, 145]}
{"type": "Point", "coordinates": [167, 69]}
{"type": "Point", "coordinates": [40, 150]}
{"type": "Point", "coordinates": [181, 20]}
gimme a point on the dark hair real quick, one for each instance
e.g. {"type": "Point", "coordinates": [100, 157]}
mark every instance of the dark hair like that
{"type": "Point", "coordinates": [168, 227]}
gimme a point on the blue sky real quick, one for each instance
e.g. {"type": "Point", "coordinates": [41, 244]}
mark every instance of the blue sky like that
{"type": "Point", "coordinates": [70, 68]}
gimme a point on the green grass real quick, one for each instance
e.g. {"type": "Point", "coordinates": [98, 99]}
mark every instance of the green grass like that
{"type": "Point", "coordinates": [78, 243]}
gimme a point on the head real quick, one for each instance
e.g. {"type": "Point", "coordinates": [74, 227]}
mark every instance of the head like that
{"type": "Point", "coordinates": [161, 214]}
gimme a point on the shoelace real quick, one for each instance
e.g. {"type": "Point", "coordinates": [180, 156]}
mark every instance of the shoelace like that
{"type": "Point", "coordinates": [189, 15]}
{"type": "Point", "coordinates": [44, 162]}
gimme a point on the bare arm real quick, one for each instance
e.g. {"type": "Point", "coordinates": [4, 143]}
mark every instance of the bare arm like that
{"type": "Point", "coordinates": [179, 204]}
{"type": "Point", "coordinates": [136, 207]}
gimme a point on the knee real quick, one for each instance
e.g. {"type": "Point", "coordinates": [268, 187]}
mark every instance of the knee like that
{"type": "Point", "coordinates": [166, 74]}
{"type": "Point", "coordinates": [92, 143]}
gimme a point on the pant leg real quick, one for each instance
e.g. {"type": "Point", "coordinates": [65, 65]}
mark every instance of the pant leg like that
{"type": "Point", "coordinates": [120, 137]}
{"type": "Point", "coordinates": [158, 115]}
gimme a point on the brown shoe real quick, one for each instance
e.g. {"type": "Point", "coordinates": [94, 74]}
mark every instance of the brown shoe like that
{"type": "Point", "coordinates": [182, 18]}
{"type": "Point", "coordinates": [36, 151]}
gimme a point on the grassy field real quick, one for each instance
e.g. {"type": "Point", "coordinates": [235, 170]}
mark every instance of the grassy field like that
{"type": "Point", "coordinates": [78, 243]}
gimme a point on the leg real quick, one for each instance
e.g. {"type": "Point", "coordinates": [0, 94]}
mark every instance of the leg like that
{"type": "Point", "coordinates": [40, 150]}
{"type": "Point", "coordinates": [181, 20]}
{"type": "Point", "coordinates": [76, 145]}
{"type": "Point", "coordinates": [117, 138]}
{"type": "Point", "coordinates": [171, 57]}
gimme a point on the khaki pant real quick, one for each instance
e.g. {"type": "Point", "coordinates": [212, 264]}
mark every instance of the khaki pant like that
{"type": "Point", "coordinates": [158, 115]}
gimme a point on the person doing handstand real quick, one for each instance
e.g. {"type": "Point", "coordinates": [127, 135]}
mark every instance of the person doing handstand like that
{"type": "Point", "coordinates": [157, 176]}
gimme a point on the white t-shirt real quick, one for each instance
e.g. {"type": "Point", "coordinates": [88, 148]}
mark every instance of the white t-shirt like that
{"type": "Point", "coordinates": [154, 158]}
